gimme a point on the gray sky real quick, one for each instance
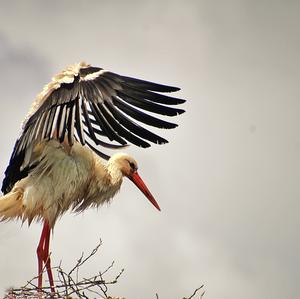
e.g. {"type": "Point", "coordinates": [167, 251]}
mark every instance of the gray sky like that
{"type": "Point", "coordinates": [228, 181]}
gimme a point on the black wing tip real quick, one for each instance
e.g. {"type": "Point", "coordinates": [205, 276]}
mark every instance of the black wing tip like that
{"type": "Point", "coordinates": [160, 141]}
{"type": "Point", "coordinates": [165, 88]}
{"type": "Point", "coordinates": [164, 141]}
{"type": "Point", "coordinates": [180, 101]}
{"type": "Point", "coordinates": [172, 126]}
{"type": "Point", "coordinates": [144, 145]}
{"type": "Point", "coordinates": [180, 111]}
{"type": "Point", "coordinates": [172, 88]}
{"type": "Point", "coordinates": [147, 85]}
{"type": "Point", "coordinates": [169, 126]}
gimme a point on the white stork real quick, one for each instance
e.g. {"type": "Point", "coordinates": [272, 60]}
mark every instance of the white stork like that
{"type": "Point", "coordinates": [56, 166]}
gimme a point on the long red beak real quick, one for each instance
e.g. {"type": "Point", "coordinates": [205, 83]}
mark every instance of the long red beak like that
{"type": "Point", "coordinates": [134, 177]}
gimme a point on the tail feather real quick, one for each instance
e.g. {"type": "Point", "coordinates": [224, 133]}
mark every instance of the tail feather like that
{"type": "Point", "coordinates": [11, 205]}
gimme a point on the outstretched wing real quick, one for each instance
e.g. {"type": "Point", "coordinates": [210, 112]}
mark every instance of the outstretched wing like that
{"type": "Point", "coordinates": [89, 104]}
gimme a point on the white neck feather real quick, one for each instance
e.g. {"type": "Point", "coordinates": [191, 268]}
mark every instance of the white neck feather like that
{"type": "Point", "coordinates": [115, 173]}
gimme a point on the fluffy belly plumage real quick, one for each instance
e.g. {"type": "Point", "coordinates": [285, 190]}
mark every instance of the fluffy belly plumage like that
{"type": "Point", "coordinates": [57, 183]}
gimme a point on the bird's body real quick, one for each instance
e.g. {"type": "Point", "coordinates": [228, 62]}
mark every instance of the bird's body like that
{"type": "Point", "coordinates": [43, 193]}
{"type": "Point", "coordinates": [56, 166]}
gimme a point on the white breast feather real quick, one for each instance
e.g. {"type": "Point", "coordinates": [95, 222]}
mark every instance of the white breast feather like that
{"type": "Point", "coordinates": [63, 180]}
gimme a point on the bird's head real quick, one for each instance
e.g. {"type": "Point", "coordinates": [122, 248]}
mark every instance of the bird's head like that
{"type": "Point", "coordinates": [128, 167]}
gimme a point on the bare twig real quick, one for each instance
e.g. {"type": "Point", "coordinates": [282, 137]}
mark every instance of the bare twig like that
{"type": "Point", "coordinates": [195, 292]}
{"type": "Point", "coordinates": [81, 261]}
{"type": "Point", "coordinates": [66, 285]}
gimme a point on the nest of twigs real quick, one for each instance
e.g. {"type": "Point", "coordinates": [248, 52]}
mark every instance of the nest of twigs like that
{"type": "Point", "coordinates": [69, 284]}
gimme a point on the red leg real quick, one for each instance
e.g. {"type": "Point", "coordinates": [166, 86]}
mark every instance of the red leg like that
{"type": "Point", "coordinates": [40, 255]}
{"type": "Point", "coordinates": [43, 257]}
{"type": "Point", "coordinates": [47, 260]}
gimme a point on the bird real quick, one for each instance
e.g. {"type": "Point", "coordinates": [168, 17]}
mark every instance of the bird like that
{"type": "Point", "coordinates": [58, 163]}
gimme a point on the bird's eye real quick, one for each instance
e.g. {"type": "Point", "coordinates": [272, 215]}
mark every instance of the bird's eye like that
{"type": "Point", "coordinates": [132, 166]}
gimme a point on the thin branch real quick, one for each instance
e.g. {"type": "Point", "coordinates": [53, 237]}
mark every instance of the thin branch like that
{"type": "Point", "coordinates": [81, 261]}
{"type": "Point", "coordinates": [195, 292]}
{"type": "Point", "coordinates": [66, 285]}
{"type": "Point", "coordinates": [70, 284]}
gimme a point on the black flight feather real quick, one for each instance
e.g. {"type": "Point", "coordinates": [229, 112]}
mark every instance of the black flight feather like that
{"type": "Point", "coordinates": [135, 128]}
{"type": "Point", "coordinates": [121, 130]}
{"type": "Point", "coordinates": [141, 116]}
{"type": "Point", "coordinates": [137, 101]}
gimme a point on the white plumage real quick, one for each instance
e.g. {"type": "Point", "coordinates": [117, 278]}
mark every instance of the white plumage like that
{"type": "Point", "coordinates": [43, 193]}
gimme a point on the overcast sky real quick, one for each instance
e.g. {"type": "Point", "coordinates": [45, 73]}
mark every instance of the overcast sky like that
{"type": "Point", "coordinates": [228, 181]}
